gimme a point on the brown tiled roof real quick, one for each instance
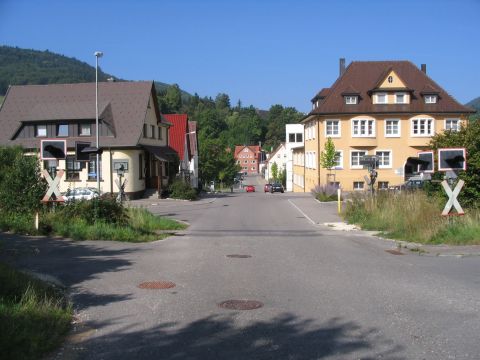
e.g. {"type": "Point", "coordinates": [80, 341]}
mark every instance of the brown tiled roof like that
{"type": "Point", "coordinates": [122, 106]}
{"type": "Point", "coordinates": [365, 77]}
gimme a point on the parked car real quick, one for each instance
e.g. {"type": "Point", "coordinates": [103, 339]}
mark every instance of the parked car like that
{"type": "Point", "coordinates": [267, 187]}
{"type": "Point", "coordinates": [414, 183]}
{"type": "Point", "coordinates": [250, 188]}
{"type": "Point", "coordinates": [276, 187]}
{"type": "Point", "coordinates": [83, 193]}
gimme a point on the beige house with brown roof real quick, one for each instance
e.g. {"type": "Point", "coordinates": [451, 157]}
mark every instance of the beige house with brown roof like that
{"type": "Point", "coordinates": [131, 132]}
{"type": "Point", "coordinates": [390, 109]}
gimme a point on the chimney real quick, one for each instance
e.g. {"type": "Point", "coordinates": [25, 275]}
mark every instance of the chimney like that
{"type": "Point", "coordinates": [342, 66]}
{"type": "Point", "coordinates": [424, 68]}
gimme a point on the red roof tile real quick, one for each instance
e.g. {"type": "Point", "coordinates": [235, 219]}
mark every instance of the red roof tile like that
{"type": "Point", "coordinates": [177, 132]}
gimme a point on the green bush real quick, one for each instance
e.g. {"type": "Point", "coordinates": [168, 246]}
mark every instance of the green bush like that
{"type": "Point", "coordinates": [107, 210]}
{"type": "Point", "coordinates": [181, 190]}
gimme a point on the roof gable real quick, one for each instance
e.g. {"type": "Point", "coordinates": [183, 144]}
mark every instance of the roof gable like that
{"type": "Point", "coordinates": [391, 81]}
{"type": "Point", "coordinates": [365, 76]}
{"type": "Point", "coordinates": [122, 107]}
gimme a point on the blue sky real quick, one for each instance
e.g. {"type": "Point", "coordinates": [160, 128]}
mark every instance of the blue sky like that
{"type": "Point", "coordinates": [262, 52]}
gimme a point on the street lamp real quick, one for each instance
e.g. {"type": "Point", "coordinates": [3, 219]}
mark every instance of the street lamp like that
{"type": "Point", "coordinates": [98, 54]}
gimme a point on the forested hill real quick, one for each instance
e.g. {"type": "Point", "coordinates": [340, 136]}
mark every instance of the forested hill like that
{"type": "Point", "coordinates": [24, 67]}
{"type": "Point", "coordinates": [475, 104]}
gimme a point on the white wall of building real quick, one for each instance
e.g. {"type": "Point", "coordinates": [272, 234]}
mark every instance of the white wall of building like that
{"type": "Point", "coordinates": [292, 140]}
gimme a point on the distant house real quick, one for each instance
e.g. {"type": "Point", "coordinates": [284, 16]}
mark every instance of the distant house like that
{"type": "Point", "coordinates": [248, 157]}
{"type": "Point", "coordinates": [183, 138]}
{"type": "Point", "coordinates": [387, 109]}
{"type": "Point", "coordinates": [279, 157]}
{"type": "Point", "coordinates": [131, 132]}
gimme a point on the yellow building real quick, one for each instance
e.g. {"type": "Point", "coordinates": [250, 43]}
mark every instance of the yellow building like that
{"type": "Point", "coordinates": [390, 109]}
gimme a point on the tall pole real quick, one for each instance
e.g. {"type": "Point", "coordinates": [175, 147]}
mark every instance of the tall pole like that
{"type": "Point", "coordinates": [97, 55]}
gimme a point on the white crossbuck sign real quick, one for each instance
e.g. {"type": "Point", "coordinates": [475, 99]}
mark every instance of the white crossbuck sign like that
{"type": "Point", "coordinates": [452, 197]}
{"type": "Point", "coordinates": [53, 186]}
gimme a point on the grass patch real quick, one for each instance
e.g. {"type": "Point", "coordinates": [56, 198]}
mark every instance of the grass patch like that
{"type": "Point", "coordinates": [34, 317]}
{"type": "Point", "coordinates": [413, 217]}
{"type": "Point", "coordinates": [139, 226]}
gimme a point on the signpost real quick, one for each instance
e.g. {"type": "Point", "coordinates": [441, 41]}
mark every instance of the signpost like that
{"type": "Point", "coordinates": [53, 186]}
{"type": "Point", "coordinates": [452, 160]}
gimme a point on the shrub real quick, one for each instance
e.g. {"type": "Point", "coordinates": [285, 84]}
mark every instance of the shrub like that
{"type": "Point", "coordinates": [326, 192]}
{"type": "Point", "coordinates": [105, 209]}
{"type": "Point", "coordinates": [181, 190]}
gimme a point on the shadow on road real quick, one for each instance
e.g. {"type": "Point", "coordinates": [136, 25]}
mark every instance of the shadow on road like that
{"type": "Point", "coordinates": [218, 337]}
{"type": "Point", "coordinates": [71, 262]}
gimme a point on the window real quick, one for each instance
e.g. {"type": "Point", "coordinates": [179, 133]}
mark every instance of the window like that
{"type": "Point", "coordinates": [381, 98]}
{"type": "Point", "coordinates": [358, 185]}
{"type": "Point", "coordinates": [355, 159]}
{"type": "Point", "coordinates": [85, 130]}
{"type": "Point", "coordinates": [392, 127]}
{"type": "Point", "coordinates": [351, 100]}
{"type": "Point", "coordinates": [299, 137]}
{"type": "Point", "coordinates": [152, 131]}
{"type": "Point", "coordinates": [140, 166]}
{"type": "Point", "coordinates": [430, 99]}
{"type": "Point", "coordinates": [332, 128]}
{"type": "Point", "coordinates": [41, 130]}
{"type": "Point", "coordinates": [253, 161]}
{"type": "Point", "coordinates": [400, 98]}
{"type": "Point", "coordinates": [390, 79]}
{"type": "Point", "coordinates": [383, 185]}
{"type": "Point", "coordinates": [145, 131]}
{"type": "Point", "coordinates": [245, 161]}
{"type": "Point", "coordinates": [92, 167]}
{"type": "Point", "coordinates": [160, 133]}
{"type": "Point", "coordinates": [245, 150]}
{"type": "Point", "coordinates": [291, 138]}
{"type": "Point", "coordinates": [62, 130]}
{"type": "Point", "coordinates": [363, 128]}
{"type": "Point", "coordinates": [384, 159]}
{"type": "Point", "coordinates": [452, 124]}
{"type": "Point", "coordinates": [339, 159]}
{"type": "Point", "coordinates": [73, 168]}
{"type": "Point", "coordinates": [422, 127]}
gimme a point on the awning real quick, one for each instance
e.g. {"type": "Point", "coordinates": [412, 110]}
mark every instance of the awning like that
{"type": "Point", "coordinates": [162, 153]}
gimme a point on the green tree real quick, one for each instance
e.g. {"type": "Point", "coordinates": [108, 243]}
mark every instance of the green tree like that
{"type": "Point", "coordinates": [21, 184]}
{"type": "Point", "coordinates": [274, 171]}
{"type": "Point", "coordinates": [216, 162]}
{"type": "Point", "coordinates": [277, 118]}
{"type": "Point", "coordinates": [468, 137]}
{"type": "Point", "coordinates": [327, 156]}
{"type": "Point", "coordinates": [172, 99]}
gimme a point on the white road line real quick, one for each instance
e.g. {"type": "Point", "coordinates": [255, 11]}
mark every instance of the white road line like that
{"type": "Point", "coordinates": [306, 216]}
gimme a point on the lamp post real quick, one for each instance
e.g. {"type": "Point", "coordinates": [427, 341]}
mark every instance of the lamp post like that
{"type": "Point", "coordinates": [98, 54]}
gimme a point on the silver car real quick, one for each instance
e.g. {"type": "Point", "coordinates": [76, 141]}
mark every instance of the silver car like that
{"type": "Point", "coordinates": [83, 193]}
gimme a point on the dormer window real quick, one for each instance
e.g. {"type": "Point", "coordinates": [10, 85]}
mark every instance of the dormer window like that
{"type": "Point", "coordinates": [351, 100]}
{"type": "Point", "coordinates": [400, 98]}
{"type": "Point", "coordinates": [381, 98]}
{"type": "Point", "coordinates": [430, 99]}
{"type": "Point", "coordinates": [390, 79]}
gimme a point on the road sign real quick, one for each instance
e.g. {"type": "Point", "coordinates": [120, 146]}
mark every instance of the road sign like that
{"type": "Point", "coordinates": [452, 159]}
{"type": "Point", "coordinates": [53, 186]}
{"type": "Point", "coordinates": [452, 198]}
{"type": "Point", "coordinates": [81, 155]}
{"type": "Point", "coordinates": [53, 149]}
{"type": "Point", "coordinates": [426, 165]}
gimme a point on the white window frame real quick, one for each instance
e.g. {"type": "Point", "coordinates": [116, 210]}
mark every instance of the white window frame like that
{"type": "Point", "coordinates": [390, 158]}
{"type": "Point", "coordinates": [339, 128]}
{"type": "Point", "coordinates": [359, 182]}
{"type": "Point", "coordinates": [419, 119]}
{"type": "Point", "coordinates": [41, 130]}
{"type": "Point", "coordinates": [351, 100]}
{"type": "Point", "coordinates": [367, 120]}
{"type": "Point", "coordinates": [404, 98]}
{"type": "Point", "coordinates": [430, 99]}
{"type": "Point", "coordinates": [340, 160]}
{"type": "Point", "coordinates": [351, 162]}
{"type": "Point", "coordinates": [457, 125]}
{"type": "Point", "coordinates": [377, 99]}
{"type": "Point", "coordinates": [80, 132]}
{"type": "Point", "coordinates": [399, 128]}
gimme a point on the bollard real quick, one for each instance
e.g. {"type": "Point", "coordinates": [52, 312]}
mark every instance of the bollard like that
{"type": "Point", "coordinates": [339, 198]}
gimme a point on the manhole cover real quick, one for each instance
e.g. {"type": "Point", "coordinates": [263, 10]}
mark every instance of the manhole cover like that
{"type": "Point", "coordinates": [241, 304]}
{"type": "Point", "coordinates": [156, 285]}
{"type": "Point", "coordinates": [239, 256]}
{"type": "Point", "coordinates": [394, 252]}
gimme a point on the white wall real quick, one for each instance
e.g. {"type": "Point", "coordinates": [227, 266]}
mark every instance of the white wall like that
{"type": "Point", "coordinates": [292, 129]}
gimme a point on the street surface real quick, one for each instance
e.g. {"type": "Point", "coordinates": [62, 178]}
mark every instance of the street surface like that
{"type": "Point", "coordinates": [326, 294]}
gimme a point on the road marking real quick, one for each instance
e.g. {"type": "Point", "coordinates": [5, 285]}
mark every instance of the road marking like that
{"type": "Point", "coordinates": [301, 212]}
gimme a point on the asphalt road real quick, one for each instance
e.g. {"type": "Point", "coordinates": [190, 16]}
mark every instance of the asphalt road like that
{"type": "Point", "coordinates": [326, 294]}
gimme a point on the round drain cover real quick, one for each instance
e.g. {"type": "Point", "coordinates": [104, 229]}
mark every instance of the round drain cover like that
{"type": "Point", "coordinates": [239, 256]}
{"type": "Point", "coordinates": [156, 285]}
{"type": "Point", "coordinates": [241, 304]}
